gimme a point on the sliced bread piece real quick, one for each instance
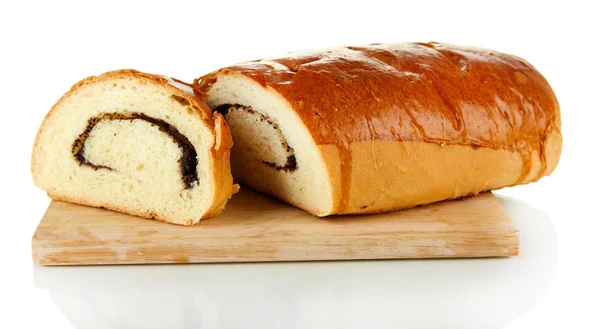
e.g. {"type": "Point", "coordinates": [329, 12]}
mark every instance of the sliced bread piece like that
{"type": "Point", "coordinates": [137, 143]}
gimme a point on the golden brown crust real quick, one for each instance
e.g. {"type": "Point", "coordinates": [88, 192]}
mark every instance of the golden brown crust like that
{"type": "Point", "coordinates": [221, 173]}
{"type": "Point", "coordinates": [391, 175]}
{"type": "Point", "coordinates": [426, 93]}
{"type": "Point", "coordinates": [224, 187]}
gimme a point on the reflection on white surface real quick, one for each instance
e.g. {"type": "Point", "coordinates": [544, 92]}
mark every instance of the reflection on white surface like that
{"type": "Point", "coordinates": [458, 293]}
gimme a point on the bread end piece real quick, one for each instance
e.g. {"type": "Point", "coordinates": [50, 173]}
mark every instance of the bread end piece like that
{"type": "Point", "coordinates": [136, 143]}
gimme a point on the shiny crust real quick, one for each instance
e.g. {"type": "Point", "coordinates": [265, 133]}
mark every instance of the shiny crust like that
{"type": "Point", "coordinates": [221, 173]}
{"type": "Point", "coordinates": [414, 92]}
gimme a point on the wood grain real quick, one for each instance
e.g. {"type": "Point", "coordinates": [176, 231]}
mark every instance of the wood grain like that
{"type": "Point", "coordinates": [258, 228]}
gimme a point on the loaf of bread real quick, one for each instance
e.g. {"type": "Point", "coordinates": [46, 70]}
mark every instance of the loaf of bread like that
{"type": "Point", "coordinates": [386, 126]}
{"type": "Point", "coordinates": [136, 143]}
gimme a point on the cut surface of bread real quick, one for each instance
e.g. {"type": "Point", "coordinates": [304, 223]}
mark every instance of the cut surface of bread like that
{"type": "Point", "coordinates": [136, 143]}
{"type": "Point", "coordinates": [381, 127]}
{"type": "Point", "coordinates": [273, 151]}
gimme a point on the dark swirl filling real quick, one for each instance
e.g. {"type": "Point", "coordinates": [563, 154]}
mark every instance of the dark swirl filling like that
{"type": "Point", "coordinates": [188, 160]}
{"type": "Point", "coordinates": [290, 164]}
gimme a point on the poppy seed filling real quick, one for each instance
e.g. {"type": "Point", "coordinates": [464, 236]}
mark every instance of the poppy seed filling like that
{"type": "Point", "coordinates": [188, 160]}
{"type": "Point", "coordinates": [290, 164]}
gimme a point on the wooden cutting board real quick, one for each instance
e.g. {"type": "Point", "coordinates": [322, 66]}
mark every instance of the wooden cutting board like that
{"type": "Point", "coordinates": [258, 228]}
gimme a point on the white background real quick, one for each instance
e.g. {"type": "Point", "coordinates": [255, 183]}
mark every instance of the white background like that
{"type": "Point", "coordinates": [47, 46]}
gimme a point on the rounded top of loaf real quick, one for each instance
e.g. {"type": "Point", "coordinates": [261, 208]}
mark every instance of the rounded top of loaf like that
{"type": "Point", "coordinates": [187, 92]}
{"type": "Point", "coordinates": [429, 92]}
